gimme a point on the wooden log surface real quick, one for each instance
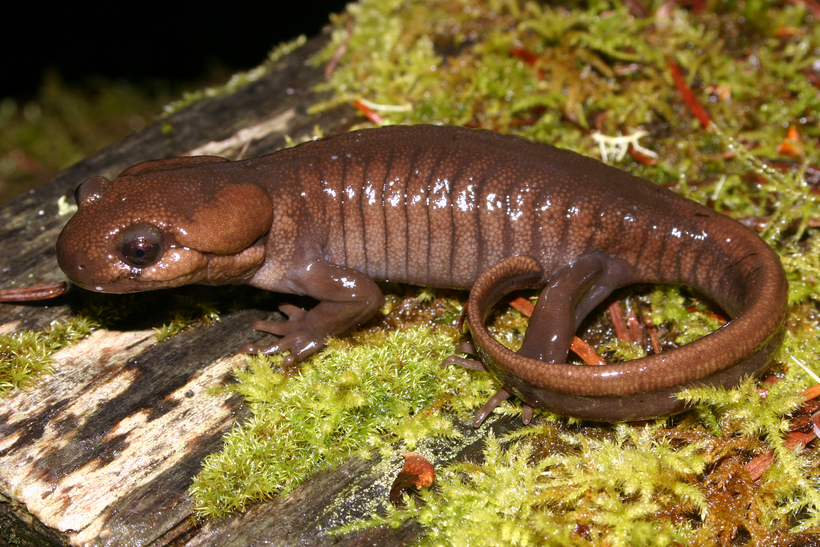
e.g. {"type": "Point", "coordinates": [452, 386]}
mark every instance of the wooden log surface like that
{"type": "Point", "coordinates": [103, 451]}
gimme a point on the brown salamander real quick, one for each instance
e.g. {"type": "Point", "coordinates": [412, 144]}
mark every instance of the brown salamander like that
{"type": "Point", "coordinates": [443, 207]}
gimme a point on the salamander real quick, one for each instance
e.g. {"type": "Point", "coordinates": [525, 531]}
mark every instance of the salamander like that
{"type": "Point", "coordinates": [443, 207]}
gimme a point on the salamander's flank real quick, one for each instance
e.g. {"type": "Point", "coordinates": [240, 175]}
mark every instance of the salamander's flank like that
{"type": "Point", "coordinates": [445, 207]}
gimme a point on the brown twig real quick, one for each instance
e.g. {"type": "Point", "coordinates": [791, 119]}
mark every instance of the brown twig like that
{"type": "Point", "coordinates": [634, 327]}
{"type": "Point", "coordinates": [369, 113]}
{"type": "Point", "coordinates": [794, 440]}
{"type": "Point", "coordinates": [640, 157]}
{"type": "Point", "coordinates": [29, 294]}
{"type": "Point", "coordinates": [616, 315]}
{"type": "Point", "coordinates": [586, 352]}
{"type": "Point", "coordinates": [688, 96]}
{"type": "Point", "coordinates": [812, 392]}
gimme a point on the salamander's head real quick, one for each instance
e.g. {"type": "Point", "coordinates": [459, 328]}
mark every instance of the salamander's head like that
{"type": "Point", "coordinates": [166, 223]}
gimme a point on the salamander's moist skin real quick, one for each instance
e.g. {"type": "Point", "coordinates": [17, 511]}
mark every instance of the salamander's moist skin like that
{"type": "Point", "coordinates": [443, 207]}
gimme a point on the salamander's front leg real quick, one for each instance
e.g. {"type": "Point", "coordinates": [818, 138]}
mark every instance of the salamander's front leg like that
{"type": "Point", "coordinates": [347, 298]}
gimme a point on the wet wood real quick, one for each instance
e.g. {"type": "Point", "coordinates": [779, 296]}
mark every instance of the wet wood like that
{"type": "Point", "coordinates": [103, 451]}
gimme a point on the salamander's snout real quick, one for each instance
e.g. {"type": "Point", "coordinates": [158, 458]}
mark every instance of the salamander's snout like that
{"type": "Point", "coordinates": [71, 261]}
{"type": "Point", "coordinates": [81, 260]}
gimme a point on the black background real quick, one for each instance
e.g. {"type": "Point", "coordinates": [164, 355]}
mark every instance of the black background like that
{"type": "Point", "coordinates": [143, 40]}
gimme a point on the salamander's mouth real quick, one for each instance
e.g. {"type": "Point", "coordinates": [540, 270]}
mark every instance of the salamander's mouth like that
{"type": "Point", "coordinates": [76, 268]}
{"type": "Point", "coordinates": [115, 280]}
{"type": "Point", "coordinates": [130, 281]}
{"type": "Point", "coordinates": [122, 287]}
{"type": "Point", "coordinates": [120, 283]}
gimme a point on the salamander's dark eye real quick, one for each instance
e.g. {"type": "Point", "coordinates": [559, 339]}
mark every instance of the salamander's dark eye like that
{"type": "Point", "coordinates": [141, 245]}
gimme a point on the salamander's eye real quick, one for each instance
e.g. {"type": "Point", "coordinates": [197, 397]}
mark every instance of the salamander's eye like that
{"type": "Point", "coordinates": [141, 245]}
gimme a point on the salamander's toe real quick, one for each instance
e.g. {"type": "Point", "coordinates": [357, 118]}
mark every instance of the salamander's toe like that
{"type": "Point", "coordinates": [526, 414]}
{"type": "Point", "coordinates": [472, 364]}
{"type": "Point", "coordinates": [500, 396]}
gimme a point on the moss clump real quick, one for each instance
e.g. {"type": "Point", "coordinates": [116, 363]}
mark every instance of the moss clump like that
{"type": "Point", "coordinates": [616, 491]}
{"type": "Point", "coordinates": [187, 312]}
{"type": "Point", "coordinates": [26, 356]}
{"type": "Point", "coordinates": [554, 73]}
{"type": "Point", "coordinates": [351, 399]}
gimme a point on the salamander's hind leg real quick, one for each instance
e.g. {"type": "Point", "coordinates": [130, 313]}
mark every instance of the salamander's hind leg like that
{"type": "Point", "coordinates": [500, 396]}
{"type": "Point", "coordinates": [568, 296]}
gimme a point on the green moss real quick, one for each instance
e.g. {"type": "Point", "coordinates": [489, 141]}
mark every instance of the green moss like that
{"type": "Point", "coordinates": [690, 318]}
{"type": "Point", "coordinates": [26, 356]}
{"type": "Point", "coordinates": [789, 487]}
{"type": "Point", "coordinates": [187, 312]}
{"type": "Point", "coordinates": [593, 491]}
{"type": "Point", "coordinates": [350, 400]}
{"type": "Point", "coordinates": [619, 350]}
{"type": "Point", "coordinates": [803, 267]}
{"type": "Point", "coordinates": [457, 62]}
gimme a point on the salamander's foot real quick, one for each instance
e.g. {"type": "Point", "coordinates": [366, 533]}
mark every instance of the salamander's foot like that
{"type": "Point", "coordinates": [295, 337]}
{"type": "Point", "coordinates": [500, 396]}
{"type": "Point", "coordinates": [473, 364]}
{"type": "Point", "coordinates": [466, 346]}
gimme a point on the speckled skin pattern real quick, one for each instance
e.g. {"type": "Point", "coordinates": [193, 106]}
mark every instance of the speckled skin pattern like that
{"type": "Point", "coordinates": [439, 206]}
